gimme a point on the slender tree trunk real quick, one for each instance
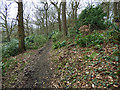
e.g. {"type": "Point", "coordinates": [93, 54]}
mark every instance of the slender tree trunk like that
{"type": "Point", "coordinates": [64, 18]}
{"type": "Point", "coordinates": [8, 36]}
{"type": "Point", "coordinates": [119, 62]}
{"type": "Point", "coordinates": [21, 34]}
{"type": "Point", "coordinates": [43, 27]}
{"type": "Point", "coordinates": [119, 10]}
{"type": "Point", "coordinates": [46, 24]}
{"type": "Point", "coordinates": [108, 11]}
{"type": "Point", "coordinates": [46, 17]}
{"type": "Point", "coordinates": [58, 10]}
{"type": "Point", "coordinates": [6, 26]}
{"type": "Point", "coordinates": [76, 6]}
{"type": "Point", "coordinates": [59, 20]}
{"type": "Point", "coordinates": [31, 29]}
{"type": "Point", "coordinates": [73, 12]}
{"type": "Point", "coordinates": [27, 29]}
{"type": "Point", "coordinates": [115, 10]}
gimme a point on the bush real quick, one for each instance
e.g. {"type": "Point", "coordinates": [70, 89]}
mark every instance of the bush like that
{"type": "Point", "coordinates": [56, 36]}
{"type": "Point", "coordinates": [113, 34]}
{"type": "Point", "coordinates": [93, 16]}
{"type": "Point", "coordinates": [50, 35]}
{"type": "Point", "coordinates": [10, 48]}
{"type": "Point", "coordinates": [31, 42]}
{"type": "Point", "coordinates": [59, 45]}
{"type": "Point", "coordinates": [35, 41]}
{"type": "Point", "coordinates": [71, 32]}
{"type": "Point", "coordinates": [89, 40]}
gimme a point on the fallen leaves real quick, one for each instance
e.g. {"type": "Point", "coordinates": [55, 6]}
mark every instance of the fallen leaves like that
{"type": "Point", "coordinates": [16, 66]}
{"type": "Point", "coordinates": [86, 67]}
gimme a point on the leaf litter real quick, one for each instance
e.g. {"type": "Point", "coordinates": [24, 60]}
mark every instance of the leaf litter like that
{"type": "Point", "coordinates": [88, 67]}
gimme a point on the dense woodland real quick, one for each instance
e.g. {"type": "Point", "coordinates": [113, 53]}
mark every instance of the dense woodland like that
{"type": "Point", "coordinates": [77, 43]}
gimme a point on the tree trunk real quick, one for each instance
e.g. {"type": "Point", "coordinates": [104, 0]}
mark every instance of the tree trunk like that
{"type": "Point", "coordinates": [58, 10]}
{"type": "Point", "coordinates": [119, 10]}
{"type": "Point", "coordinates": [46, 24]}
{"type": "Point", "coordinates": [8, 36]}
{"type": "Point", "coordinates": [73, 11]}
{"type": "Point", "coordinates": [115, 10]}
{"type": "Point", "coordinates": [27, 28]}
{"type": "Point", "coordinates": [46, 17]}
{"type": "Point", "coordinates": [21, 34]}
{"type": "Point", "coordinates": [64, 18]}
{"type": "Point", "coordinates": [76, 6]}
{"type": "Point", "coordinates": [59, 21]}
{"type": "Point", "coordinates": [108, 11]}
{"type": "Point", "coordinates": [6, 27]}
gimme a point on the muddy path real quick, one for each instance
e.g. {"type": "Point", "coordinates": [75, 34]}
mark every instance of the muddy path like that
{"type": "Point", "coordinates": [37, 74]}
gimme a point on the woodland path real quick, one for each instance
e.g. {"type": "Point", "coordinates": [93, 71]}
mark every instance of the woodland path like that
{"type": "Point", "coordinates": [37, 74]}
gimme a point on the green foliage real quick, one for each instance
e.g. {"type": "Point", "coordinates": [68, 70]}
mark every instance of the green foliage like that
{"type": "Point", "coordinates": [50, 35]}
{"type": "Point", "coordinates": [94, 54]}
{"type": "Point", "coordinates": [92, 15]}
{"type": "Point", "coordinates": [56, 45]}
{"type": "Point", "coordinates": [10, 48]}
{"type": "Point", "coordinates": [35, 41]}
{"type": "Point", "coordinates": [113, 26]}
{"type": "Point", "coordinates": [56, 36]}
{"type": "Point", "coordinates": [59, 45]}
{"type": "Point", "coordinates": [113, 36]}
{"type": "Point", "coordinates": [7, 64]}
{"type": "Point", "coordinates": [108, 24]}
{"type": "Point", "coordinates": [71, 32]}
{"type": "Point", "coordinates": [114, 32]}
{"type": "Point", "coordinates": [89, 40]}
{"type": "Point", "coordinates": [31, 42]}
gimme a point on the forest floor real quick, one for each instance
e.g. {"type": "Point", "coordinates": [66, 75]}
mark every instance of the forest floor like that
{"type": "Point", "coordinates": [85, 67]}
{"type": "Point", "coordinates": [68, 67]}
{"type": "Point", "coordinates": [35, 74]}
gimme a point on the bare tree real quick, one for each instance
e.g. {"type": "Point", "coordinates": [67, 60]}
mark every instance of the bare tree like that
{"type": "Point", "coordinates": [27, 20]}
{"type": "Point", "coordinates": [46, 14]}
{"type": "Point", "coordinates": [106, 8]}
{"type": "Point", "coordinates": [58, 8]}
{"type": "Point", "coordinates": [40, 19]}
{"type": "Point", "coordinates": [4, 17]}
{"type": "Point", "coordinates": [52, 19]}
{"type": "Point", "coordinates": [13, 24]}
{"type": "Point", "coordinates": [74, 5]}
{"type": "Point", "coordinates": [73, 10]}
{"type": "Point", "coordinates": [76, 8]}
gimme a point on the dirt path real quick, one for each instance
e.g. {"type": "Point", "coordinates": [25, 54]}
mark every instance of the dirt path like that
{"type": "Point", "coordinates": [38, 73]}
